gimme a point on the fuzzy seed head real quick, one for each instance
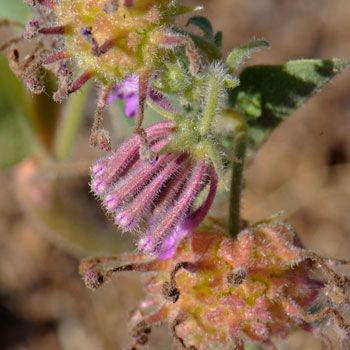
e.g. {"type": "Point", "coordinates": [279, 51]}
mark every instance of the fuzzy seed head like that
{"type": "Point", "coordinates": [220, 293]}
{"type": "Point", "coordinates": [114, 39]}
{"type": "Point", "coordinates": [238, 289]}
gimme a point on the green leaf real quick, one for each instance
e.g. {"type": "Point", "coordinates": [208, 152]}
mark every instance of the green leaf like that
{"type": "Point", "coordinates": [14, 10]}
{"type": "Point", "coordinates": [218, 39]}
{"type": "Point", "coordinates": [15, 141]}
{"type": "Point", "coordinates": [238, 55]}
{"type": "Point", "coordinates": [203, 24]}
{"type": "Point", "coordinates": [205, 45]}
{"type": "Point", "coordinates": [269, 94]}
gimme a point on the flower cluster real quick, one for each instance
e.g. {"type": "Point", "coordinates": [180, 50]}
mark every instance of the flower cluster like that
{"type": "Point", "coordinates": [168, 171]}
{"type": "Point", "coordinates": [160, 195]}
{"type": "Point", "coordinates": [156, 186]}
{"type": "Point", "coordinates": [217, 292]}
{"type": "Point", "coordinates": [108, 40]}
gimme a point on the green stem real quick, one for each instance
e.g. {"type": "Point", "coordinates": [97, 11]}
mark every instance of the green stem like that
{"type": "Point", "coordinates": [240, 145]}
{"type": "Point", "coordinates": [70, 123]}
{"type": "Point", "coordinates": [211, 104]}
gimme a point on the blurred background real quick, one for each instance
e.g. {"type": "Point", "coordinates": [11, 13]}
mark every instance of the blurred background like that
{"type": "Point", "coordinates": [303, 169]}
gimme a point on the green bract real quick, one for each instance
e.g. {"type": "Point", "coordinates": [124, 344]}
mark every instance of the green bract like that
{"type": "Point", "coordinates": [194, 132]}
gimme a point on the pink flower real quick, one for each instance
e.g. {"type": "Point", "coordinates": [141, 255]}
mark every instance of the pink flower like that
{"type": "Point", "coordinates": [127, 90]}
{"type": "Point", "coordinates": [160, 196]}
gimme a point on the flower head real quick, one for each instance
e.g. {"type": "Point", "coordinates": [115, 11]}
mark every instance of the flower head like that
{"type": "Point", "coordinates": [154, 182]}
{"type": "Point", "coordinates": [158, 195]}
{"type": "Point", "coordinates": [105, 40]}
{"type": "Point", "coordinates": [111, 39]}
{"type": "Point", "coordinates": [217, 292]}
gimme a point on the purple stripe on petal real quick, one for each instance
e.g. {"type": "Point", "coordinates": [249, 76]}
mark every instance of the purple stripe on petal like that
{"type": "Point", "coordinates": [116, 163]}
{"type": "Point", "coordinates": [171, 193]}
{"type": "Point", "coordinates": [153, 239]}
{"type": "Point", "coordinates": [107, 170]}
{"type": "Point", "coordinates": [162, 101]}
{"type": "Point", "coordinates": [136, 180]}
{"type": "Point", "coordinates": [131, 216]}
{"type": "Point", "coordinates": [164, 127]}
{"type": "Point", "coordinates": [191, 222]}
{"type": "Point", "coordinates": [99, 166]}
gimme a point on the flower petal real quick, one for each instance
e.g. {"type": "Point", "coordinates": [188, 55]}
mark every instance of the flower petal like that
{"type": "Point", "coordinates": [190, 223]}
{"type": "Point", "coordinates": [132, 106]}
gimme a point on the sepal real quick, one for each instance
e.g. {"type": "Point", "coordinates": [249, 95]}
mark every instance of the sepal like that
{"type": "Point", "coordinates": [239, 54]}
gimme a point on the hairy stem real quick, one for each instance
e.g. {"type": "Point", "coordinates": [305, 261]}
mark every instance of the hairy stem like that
{"type": "Point", "coordinates": [211, 104]}
{"type": "Point", "coordinates": [240, 145]}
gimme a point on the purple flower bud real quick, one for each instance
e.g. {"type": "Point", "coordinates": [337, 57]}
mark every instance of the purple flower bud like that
{"type": "Point", "coordinates": [86, 31]}
{"type": "Point", "coordinates": [139, 175]}
{"type": "Point", "coordinates": [161, 194]}
{"type": "Point", "coordinates": [168, 221]}
{"type": "Point", "coordinates": [130, 216]}
{"type": "Point", "coordinates": [90, 275]}
{"type": "Point", "coordinates": [64, 71]}
{"type": "Point", "coordinates": [34, 24]}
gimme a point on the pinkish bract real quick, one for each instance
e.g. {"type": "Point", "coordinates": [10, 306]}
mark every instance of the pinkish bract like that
{"type": "Point", "coordinates": [218, 292]}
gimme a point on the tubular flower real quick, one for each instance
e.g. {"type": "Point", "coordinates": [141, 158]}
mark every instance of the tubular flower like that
{"type": "Point", "coordinates": [159, 194]}
{"type": "Point", "coordinates": [157, 185]}
{"type": "Point", "coordinates": [221, 293]}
